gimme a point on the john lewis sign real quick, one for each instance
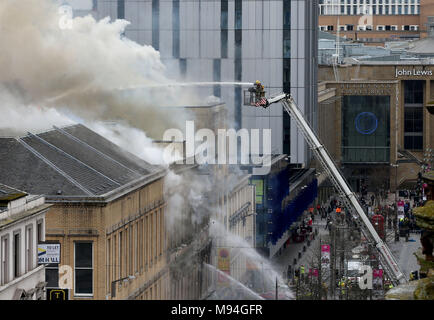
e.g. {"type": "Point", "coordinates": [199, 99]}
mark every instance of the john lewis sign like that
{"type": "Point", "coordinates": [406, 72]}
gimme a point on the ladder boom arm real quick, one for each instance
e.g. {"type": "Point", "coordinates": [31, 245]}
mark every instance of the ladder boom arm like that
{"type": "Point", "coordinates": [339, 181]}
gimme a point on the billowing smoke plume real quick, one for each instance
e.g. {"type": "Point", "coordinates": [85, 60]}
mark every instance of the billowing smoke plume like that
{"type": "Point", "coordinates": [51, 75]}
{"type": "Point", "coordinates": [83, 70]}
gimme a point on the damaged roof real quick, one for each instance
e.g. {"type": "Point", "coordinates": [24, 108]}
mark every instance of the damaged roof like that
{"type": "Point", "coordinates": [71, 161]}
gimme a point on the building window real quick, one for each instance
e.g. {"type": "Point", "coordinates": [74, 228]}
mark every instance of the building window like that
{"type": "Point", "coordinates": [40, 231]}
{"type": "Point", "coordinates": [83, 266]}
{"type": "Point", "coordinates": [141, 247]}
{"type": "Point", "coordinates": [150, 241]}
{"type": "Point", "coordinates": [154, 235]}
{"type": "Point", "coordinates": [238, 14]}
{"type": "Point", "coordinates": [183, 67]}
{"type": "Point", "coordinates": [175, 29]}
{"type": "Point", "coordinates": [413, 126]}
{"type": "Point", "coordinates": [413, 115]}
{"type": "Point", "coordinates": [350, 27]}
{"type": "Point", "coordinates": [136, 247]}
{"type": "Point", "coordinates": [413, 92]}
{"type": "Point", "coordinates": [29, 248]}
{"type": "Point", "coordinates": [52, 275]}
{"type": "Point", "coordinates": [121, 9]}
{"type": "Point", "coordinates": [224, 29]}
{"type": "Point", "coordinates": [145, 240]}
{"type": "Point", "coordinates": [130, 250]}
{"type": "Point", "coordinates": [217, 76]}
{"type": "Point", "coordinates": [156, 24]}
{"type": "Point", "coordinates": [17, 254]}
{"type": "Point", "coordinates": [121, 251]}
{"type": "Point", "coordinates": [162, 242]}
{"type": "Point", "coordinates": [115, 257]}
{"type": "Point", "coordinates": [286, 46]}
{"type": "Point", "coordinates": [4, 260]}
{"type": "Point", "coordinates": [109, 263]}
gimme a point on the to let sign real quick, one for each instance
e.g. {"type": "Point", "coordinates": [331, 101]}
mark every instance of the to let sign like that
{"type": "Point", "coordinates": [48, 253]}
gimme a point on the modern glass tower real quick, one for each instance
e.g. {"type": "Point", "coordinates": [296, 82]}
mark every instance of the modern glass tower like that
{"type": "Point", "coordinates": [274, 41]}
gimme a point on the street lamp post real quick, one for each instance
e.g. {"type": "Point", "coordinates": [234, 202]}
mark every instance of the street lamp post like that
{"type": "Point", "coordinates": [396, 202]}
{"type": "Point", "coordinates": [113, 284]}
{"type": "Point", "coordinates": [277, 290]}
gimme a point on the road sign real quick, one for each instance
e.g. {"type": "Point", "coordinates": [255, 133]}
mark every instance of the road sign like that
{"type": "Point", "coordinates": [48, 253]}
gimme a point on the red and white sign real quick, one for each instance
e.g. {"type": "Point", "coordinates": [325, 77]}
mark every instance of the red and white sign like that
{"type": "Point", "coordinates": [313, 273]}
{"type": "Point", "coordinates": [325, 256]}
{"type": "Point", "coordinates": [377, 278]}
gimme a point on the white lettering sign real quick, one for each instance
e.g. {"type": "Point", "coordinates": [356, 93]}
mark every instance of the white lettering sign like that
{"type": "Point", "coordinates": [412, 72]}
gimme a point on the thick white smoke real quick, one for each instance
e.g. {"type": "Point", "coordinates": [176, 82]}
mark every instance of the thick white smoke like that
{"type": "Point", "coordinates": [83, 69]}
{"type": "Point", "coordinates": [54, 75]}
{"type": "Point", "coordinates": [57, 76]}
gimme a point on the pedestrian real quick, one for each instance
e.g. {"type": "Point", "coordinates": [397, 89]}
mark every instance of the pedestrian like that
{"type": "Point", "coordinates": [302, 272]}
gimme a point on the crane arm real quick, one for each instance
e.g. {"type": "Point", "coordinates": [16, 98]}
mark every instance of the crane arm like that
{"type": "Point", "coordinates": [386, 257]}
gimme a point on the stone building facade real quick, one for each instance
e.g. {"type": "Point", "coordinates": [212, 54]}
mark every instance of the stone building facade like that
{"type": "Point", "coordinates": [401, 92]}
{"type": "Point", "coordinates": [107, 214]}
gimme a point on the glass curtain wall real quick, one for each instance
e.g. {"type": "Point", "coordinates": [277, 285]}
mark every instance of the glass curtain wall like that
{"type": "Point", "coordinates": [366, 129]}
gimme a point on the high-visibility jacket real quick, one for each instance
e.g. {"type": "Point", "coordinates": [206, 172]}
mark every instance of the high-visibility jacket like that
{"type": "Point", "coordinates": [302, 270]}
{"type": "Point", "coordinates": [338, 210]}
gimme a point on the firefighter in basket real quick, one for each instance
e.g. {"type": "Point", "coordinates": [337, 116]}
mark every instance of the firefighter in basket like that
{"type": "Point", "coordinates": [259, 94]}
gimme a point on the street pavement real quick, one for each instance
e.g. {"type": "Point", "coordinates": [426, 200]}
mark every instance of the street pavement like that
{"type": "Point", "coordinates": [403, 251]}
{"type": "Point", "coordinates": [291, 251]}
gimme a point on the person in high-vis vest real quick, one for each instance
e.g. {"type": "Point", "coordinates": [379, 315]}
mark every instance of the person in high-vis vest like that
{"type": "Point", "coordinates": [342, 286]}
{"type": "Point", "coordinates": [302, 272]}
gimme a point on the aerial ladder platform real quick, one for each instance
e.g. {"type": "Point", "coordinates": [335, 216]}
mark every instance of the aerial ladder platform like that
{"type": "Point", "coordinates": [256, 97]}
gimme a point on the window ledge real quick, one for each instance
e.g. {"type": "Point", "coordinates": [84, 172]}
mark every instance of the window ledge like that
{"type": "Point", "coordinates": [83, 296]}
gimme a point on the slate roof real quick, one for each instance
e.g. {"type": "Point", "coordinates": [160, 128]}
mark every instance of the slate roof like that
{"type": "Point", "coordinates": [70, 161]}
